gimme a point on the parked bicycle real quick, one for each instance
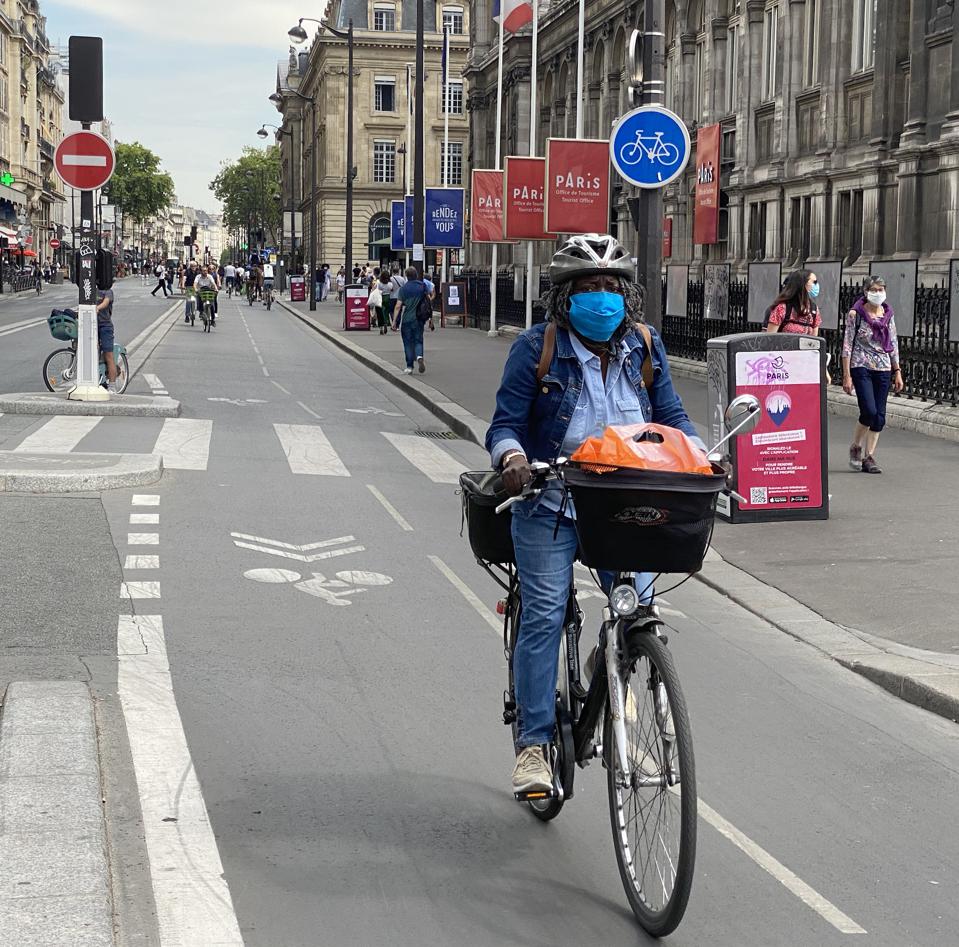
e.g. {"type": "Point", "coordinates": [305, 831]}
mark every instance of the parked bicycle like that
{"type": "Point", "coordinates": [60, 366]}
{"type": "Point", "coordinates": [626, 707]}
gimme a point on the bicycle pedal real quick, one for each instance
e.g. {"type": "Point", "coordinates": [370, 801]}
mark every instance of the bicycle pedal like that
{"type": "Point", "coordinates": [537, 796]}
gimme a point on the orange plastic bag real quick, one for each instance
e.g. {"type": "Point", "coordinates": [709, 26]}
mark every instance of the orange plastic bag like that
{"type": "Point", "coordinates": [642, 446]}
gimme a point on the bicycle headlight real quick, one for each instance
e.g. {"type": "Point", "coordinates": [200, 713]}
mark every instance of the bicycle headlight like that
{"type": "Point", "coordinates": [624, 600]}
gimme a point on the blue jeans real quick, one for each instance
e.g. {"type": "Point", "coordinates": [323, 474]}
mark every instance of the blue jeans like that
{"type": "Point", "coordinates": [872, 392]}
{"type": "Point", "coordinates": [545, 567]}
{"type": "Point", "coordinates": [412, 332]}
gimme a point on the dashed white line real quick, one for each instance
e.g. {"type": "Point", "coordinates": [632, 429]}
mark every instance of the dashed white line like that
{"type": "Point", "coordinates": [143, 539]}
{"type": "Point", "coordinates": [495, 623]}
{"type": "Point", "coordinates": [130, 590]}
{"type": "Point", "coordinates": [145, 499]}
{"type": "Point", "coordinates": [392, 510]}
{"type": "Point", "coordinates": [278, 385]}
{"type": "Point", "coordinates": [141, 562]}
{"type": "Point", "coordinates": [305, 408]}
{"type": "Point", "coordinates": [144, 519]}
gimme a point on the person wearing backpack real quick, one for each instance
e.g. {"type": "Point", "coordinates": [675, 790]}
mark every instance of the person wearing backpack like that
{"type": "Point", "coordinates": [794, 310]}
{"type": "Point", "coordinates": [870, 365]}
{"type": "Point", "coordinates": [412, 311]}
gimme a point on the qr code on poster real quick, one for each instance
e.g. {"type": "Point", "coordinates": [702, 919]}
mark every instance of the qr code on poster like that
{"type": "Point", "coordinates": [758, 495]}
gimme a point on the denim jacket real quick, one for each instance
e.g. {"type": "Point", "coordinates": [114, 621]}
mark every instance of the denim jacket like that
{"type": "Point", "coordinates": [534, 416]}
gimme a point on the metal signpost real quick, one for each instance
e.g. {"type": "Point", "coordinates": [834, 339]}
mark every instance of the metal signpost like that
{"type": "Point", "coordinates": [85, 161]}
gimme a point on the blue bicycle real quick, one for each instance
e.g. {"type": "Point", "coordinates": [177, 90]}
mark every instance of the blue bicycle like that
{"type": "Point", "coordinates": [60, 367]}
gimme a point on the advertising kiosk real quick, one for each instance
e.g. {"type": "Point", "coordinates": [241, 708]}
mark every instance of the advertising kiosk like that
{"type": "Point", "coordinates": [356, 316]}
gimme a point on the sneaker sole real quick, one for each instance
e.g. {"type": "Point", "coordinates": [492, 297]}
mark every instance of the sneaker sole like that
{"type": "Point", "coordinates": [533, 787]}
{"type": "Point", "coordinates": [854, 466]}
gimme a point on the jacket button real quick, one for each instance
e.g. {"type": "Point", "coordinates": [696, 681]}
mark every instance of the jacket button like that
{"type": "Point", "coordinates": [545, 390]}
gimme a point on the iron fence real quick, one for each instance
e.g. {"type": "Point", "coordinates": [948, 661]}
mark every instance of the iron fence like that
{"type": "Point", "coordinates": [509, 311]}
{"type": "Point", "coordinates": [930, 362]}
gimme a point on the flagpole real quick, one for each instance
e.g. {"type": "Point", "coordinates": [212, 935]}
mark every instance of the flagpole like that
{"type": "Point", "coordinates": [446, 132]}
{"type": "Point", "coordinates": [409, 155]}
{"type": "Point", "coordinates": [499, 150]}
{"type": "Point", "coordinates": [532, 152]}
{"type": "Point", "coordinates": [580, 61]}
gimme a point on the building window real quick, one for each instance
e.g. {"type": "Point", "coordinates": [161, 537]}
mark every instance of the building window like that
{"type": "Point", "coordinates": [770, 52]}
{"type": "Point", "coordinates": [732, 69]}
{"type": "Point", "coordinates": [453, 19]}
{"type": "Point", "coordinates": [455, 98]}
{"type": "Point", "coordinates": [384, 162]}
{"type": "Point", "coordinates": [4, 94]}
{"type": "Point", "coordinates": [800, 222]}
{"type": "Point", "coordinates": [384, 94]}
{"type": "Point", "coordinates": [850, 225]}
{"type": "Point", "coordinates": [379, 236]}
{"type": "Point", "coordinates": [757, 231]}
{"type": "Point", "coordinates": [807, 125]}
{"type": "Point", "coordinates": [810, 64]}
{"type": "Point", "coordinates": [863, 34]}
{"type": "Point", "coordinates": [456, 165]}
{"type": "Point", "coordinates": [728, 154]}
{"type": "Point", "coordinates": [859, 113]}
{"type": "Point", "coordinates": [765, 133]}
{"type": "Point", "coordinates": [384, 17]}
{"type": "Point", "coordinates": [3, 49]}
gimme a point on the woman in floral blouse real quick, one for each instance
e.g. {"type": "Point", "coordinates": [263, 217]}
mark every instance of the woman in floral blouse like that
{"type": "Point", "coordinates": [794, 310]}
{"type": "Point", "coordinates": [870, 365]}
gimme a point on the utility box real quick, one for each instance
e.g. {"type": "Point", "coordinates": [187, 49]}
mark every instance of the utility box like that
{"type": "Point", "coordinates": [781, 468]}
{"type": "Point", "coordinates": [356, 315]}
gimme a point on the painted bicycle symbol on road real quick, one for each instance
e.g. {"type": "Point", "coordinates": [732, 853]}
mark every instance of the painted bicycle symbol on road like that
{"type": "Point", "coordinates": [652, 147]}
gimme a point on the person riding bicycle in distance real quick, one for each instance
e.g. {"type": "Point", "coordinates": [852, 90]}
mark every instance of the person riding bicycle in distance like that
{"type": "Point", "coordinates": [207, 280]}
{"type": "Point", "coordinates": [594, 379]}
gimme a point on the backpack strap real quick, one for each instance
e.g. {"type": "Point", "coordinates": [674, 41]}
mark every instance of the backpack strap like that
{"type": "Point", "coordinates": [549, 347]}
{"type": "Point", "coordinates": [643, 330]}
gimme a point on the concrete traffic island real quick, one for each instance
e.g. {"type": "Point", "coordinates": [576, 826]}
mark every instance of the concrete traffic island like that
{"type": "Point", "coordinates": [126, 406]}
{"type": "Point", "coordinates": [26, 472]}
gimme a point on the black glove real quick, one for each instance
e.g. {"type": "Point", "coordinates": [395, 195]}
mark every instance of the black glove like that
{"type": "Point", "coordinates": [516, 474]}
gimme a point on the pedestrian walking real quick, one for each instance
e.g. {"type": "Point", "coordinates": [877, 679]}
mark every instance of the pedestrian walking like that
{"type": "Point", "coordinates": [340, 284]}
{"type": "Point", "coordinates": [384, 287]}
{"type": "Point", "coordinates": [794, 310]}
{"type": "Point", "coordinates": [870, 366]}
{"type": "Point", "coordinates": [325, 282]}
{"type": "Point", "coordinates": [168, 273]}
{"type": "Point", "coordinates": [160, 272]}
{"type": "Point", "coordinates": [412, 311]}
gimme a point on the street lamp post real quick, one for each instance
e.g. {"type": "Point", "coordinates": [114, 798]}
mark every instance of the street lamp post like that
{"type": "Point", "coordinates": [419, 215]}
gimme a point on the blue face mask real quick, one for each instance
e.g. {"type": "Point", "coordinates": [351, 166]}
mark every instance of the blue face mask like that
{"type": "Point", "coordinates": [596, 316]}
{"type": "Point", "coordinates": [814, 290]}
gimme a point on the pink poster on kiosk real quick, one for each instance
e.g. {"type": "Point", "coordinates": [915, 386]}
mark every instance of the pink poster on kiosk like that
{"type": "Point", "coordinates": [356, 316]}
{"type": "Point", "coordinates": [779, 465]}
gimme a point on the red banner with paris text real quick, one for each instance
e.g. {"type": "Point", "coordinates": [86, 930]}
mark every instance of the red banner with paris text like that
{"type": "Point", "coordinates": [577, 185]}
{"type": "Point", "coordinates": [523, 198]}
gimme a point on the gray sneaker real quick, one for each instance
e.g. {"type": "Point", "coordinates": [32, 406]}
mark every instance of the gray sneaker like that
{"type": "Point", "coordinates": [532, 773]}
{"type": "Point", "coordinates": [855, 457]}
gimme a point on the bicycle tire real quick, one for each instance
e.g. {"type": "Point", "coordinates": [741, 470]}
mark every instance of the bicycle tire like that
{"type": "Point", "coordinates": [545, 810]}
{"type": "Point", "coordinates": [123, 373]}
{"type": "Point", "coordinates": [52, 367]}
{"type": "Point", "coordinates": [659, 921]}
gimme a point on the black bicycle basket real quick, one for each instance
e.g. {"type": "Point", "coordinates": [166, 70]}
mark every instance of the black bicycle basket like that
{"type": "Point", "coordinates": [643, 520]}
{"type": "Point", "coordinates": [489, 531]}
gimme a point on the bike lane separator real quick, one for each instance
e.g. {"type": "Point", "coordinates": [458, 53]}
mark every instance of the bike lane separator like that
{"type": "Point", "coordinates": [392, 510]}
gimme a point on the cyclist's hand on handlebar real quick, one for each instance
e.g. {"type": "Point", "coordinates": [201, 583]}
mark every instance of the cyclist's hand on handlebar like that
{"type": "Point", "coordinates": [516, 475]}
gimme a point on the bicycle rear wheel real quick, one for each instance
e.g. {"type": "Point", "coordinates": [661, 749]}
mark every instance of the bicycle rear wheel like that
{"type": "Point", "coordinates": [59, 370]}
{"type": "Point", "coordinates": [653, 808]}
{"type": "Point", "coordinates": [123, 372]}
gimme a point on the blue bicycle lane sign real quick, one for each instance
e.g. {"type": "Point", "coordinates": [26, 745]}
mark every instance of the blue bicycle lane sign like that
{"type": "Point", "coordinates": [650, 146]}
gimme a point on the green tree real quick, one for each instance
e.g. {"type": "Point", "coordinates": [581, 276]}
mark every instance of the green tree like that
{"type": "Point", "coordinates": [246, 188]}
{"type": "Point", "coordinates": [138, 186]}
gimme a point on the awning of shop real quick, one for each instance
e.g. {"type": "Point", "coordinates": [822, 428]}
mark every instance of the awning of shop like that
{"type": "Point", "coordinates": [12, 195]}
{"type": "Point", "coordinates": [385, 242]}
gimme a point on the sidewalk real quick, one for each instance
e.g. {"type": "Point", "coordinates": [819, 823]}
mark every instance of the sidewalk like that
{"type": "Point", "coordinates": [885, 566]}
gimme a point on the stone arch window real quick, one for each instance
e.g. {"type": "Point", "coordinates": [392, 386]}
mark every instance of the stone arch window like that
{"type": "Point", "coordinates": [379, 235]}
{"type": "Point", "coordinates": [616, 98]}
{"type": "Point", "coordinates": [594, 94]}
{"type": "Point", "coordinates": [562, 91]}
{"type": "Point", "coordinates": [697, 26]}
{"type": "Point", "coordinates": [546, 111]}
{"type": "Point", "coordinates": [672, 96]}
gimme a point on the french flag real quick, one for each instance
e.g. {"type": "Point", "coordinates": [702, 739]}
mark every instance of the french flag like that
{"type": "Point", "coordinates": [516, 13]}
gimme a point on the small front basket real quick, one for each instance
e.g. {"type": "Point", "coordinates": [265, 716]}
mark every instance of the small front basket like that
{"type": "Point", "coordinates": [644, 520]}
{"type": "Point", "coordinates": [63, 325]}
{"type": "Point", "coordinates": [489, 532]}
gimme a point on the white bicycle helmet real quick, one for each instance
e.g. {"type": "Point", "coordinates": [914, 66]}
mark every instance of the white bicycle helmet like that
{"type": "Point", "coordinates": [590, 253]}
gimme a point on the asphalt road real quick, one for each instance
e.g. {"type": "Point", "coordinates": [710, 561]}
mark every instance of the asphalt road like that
{"type": "Point", "coordinates": [352, 757]}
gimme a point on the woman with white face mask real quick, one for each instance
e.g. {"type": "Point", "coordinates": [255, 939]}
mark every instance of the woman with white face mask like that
{"type": "Point", "coordinates": [870, 365]}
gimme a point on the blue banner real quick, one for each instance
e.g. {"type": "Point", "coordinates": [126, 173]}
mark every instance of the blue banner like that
{"type": "Point", "coordinates": [408, 227]}
{"type": "Point", "coordinates": [444, 218]}
{"type": "Point", "coordinates": [397, 226]}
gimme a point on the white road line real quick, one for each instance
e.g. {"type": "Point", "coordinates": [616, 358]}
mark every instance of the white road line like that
{"type": "Point", "coordinates": [278, 385]}
{"type": "Point", "coordinates": [192, 897]}
{"type": "Point", "coordinates": [323, 544]}
{"type": "Point", "coordinates": [131, 590]}
{"type": "Point", "coordinates": [266, 374]}
{"type": "Point", "coordinates": [495, 623]}
{"type": "Point", "coordinates": [144, 519]}
{"type": "Point", "coordinates": [184, 443]}
{"type": "Point", "coordinates": [305, 408]}
{"type": "Point", "coordinates": [308, 450]}
{"type": "Point", "coordinates": [143, 539]}
{"type": "Point", "coordinates": [59, 435]}
{"type": "Point", "coordinates": [20, 326]}
{"type": "Point", "coordinates": [392, 510]}
{"type": "Point", "coordinates": [780, 872]}
{"type": "Point", "coordinates": [152, 380]}
{"type": "Point", "coordinates": [141, 562]}
{"type": "Point", "coordinates": [146, 499]}
{"type": "Point", "coordinates": [160, 391]}
{"type": "Point", "coordinates": [435, 462]}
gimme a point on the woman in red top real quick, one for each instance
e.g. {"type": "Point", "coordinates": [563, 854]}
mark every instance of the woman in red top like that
{"type": "Point", "coordinates": [794, 309]}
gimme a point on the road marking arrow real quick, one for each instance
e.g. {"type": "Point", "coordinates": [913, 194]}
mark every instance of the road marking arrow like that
{"type": "Point", "coordinates": [275, 542]}
{"type": "Point", "coordinates": [273, 547]}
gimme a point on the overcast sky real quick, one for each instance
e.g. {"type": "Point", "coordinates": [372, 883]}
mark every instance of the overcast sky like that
{"type": "Point", "coordinates": [187, 78]}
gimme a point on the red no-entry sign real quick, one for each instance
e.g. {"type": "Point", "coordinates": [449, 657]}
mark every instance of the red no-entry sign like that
{"type": "Point", "coordinates": [84, 160]}
{"type": "Point", "coordinates": [54, 244]}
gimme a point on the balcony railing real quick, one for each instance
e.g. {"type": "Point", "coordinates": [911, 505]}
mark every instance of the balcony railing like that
{"type": "Point", "coordinates": [46, 148]}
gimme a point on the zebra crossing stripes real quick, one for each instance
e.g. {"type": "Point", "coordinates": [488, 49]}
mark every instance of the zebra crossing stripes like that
{"type": "Point", "coordinates": [309, 451]}
{"type": "Point", "coordinates": [436, 463]}
{"type": "Point", "coordinates": [184, 443]}
{"type": "Point", "coordinates": [59, 435]}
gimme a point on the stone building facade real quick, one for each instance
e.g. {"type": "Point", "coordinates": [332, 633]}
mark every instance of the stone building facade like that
{"type": "Point", "coordinates": [384, 43]}
{"type": "Point", "coordinates": [840, 118]}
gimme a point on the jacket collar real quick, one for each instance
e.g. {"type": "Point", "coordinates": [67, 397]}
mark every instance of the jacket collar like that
{"type": "Point", "coordinates": [564, 343]}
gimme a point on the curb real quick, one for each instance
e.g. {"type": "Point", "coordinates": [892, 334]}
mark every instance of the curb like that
{"type": "Point", "coordinates": [126, 406]}
{"type": "Point", "coordinates": [151, 337]}
{"type": "Point", "coordinates": [924, 678]}
{"type": "Point", "coordinates": [921, 417]}
{"type": "Point", "coordinates": [53, 832]}
{"type": "Point", "coordinates": [76, 473]}
{"type": "Point", "coordinates": [453, 415]}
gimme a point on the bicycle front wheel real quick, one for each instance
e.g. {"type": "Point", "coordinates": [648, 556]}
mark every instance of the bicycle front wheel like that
{"type": "Point", "coordinates": [123, 372]}
{"type": "Point", "coordinates": [59, 370]}
{"type": "Point", "coordinates": [652, 807]}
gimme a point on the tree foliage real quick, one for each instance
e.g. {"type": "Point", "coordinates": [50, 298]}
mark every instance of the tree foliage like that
{"type": "Point", "coordinates": [138, 184]}
{"type": "Point", "coordinates": [246, 188]}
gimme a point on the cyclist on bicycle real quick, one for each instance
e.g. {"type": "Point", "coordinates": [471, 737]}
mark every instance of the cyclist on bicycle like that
{"type": "Point", "coordinates": [229, 272]}
{"type": "Point", "coordinates": [207, 280]}
{"type": "Point", "coordinates": [186, 284]}
{"type": "Point", "coordinates": [594, 379]}
{"type": "Point", "coordinates": [267, 281]}
{"type": "Point", "coordinates": [105, 335]}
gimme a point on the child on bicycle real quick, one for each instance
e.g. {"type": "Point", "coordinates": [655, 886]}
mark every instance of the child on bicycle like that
{"type": "Point", "coordinates": [105, 335]}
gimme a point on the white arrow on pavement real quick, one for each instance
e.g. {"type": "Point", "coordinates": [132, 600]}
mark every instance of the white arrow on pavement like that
{"type": "Point", "coordinates": [273, 547]}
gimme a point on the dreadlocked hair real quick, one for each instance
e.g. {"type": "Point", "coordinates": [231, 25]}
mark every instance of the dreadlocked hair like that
{"type": "Point", "coordinates": [556, 301]}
